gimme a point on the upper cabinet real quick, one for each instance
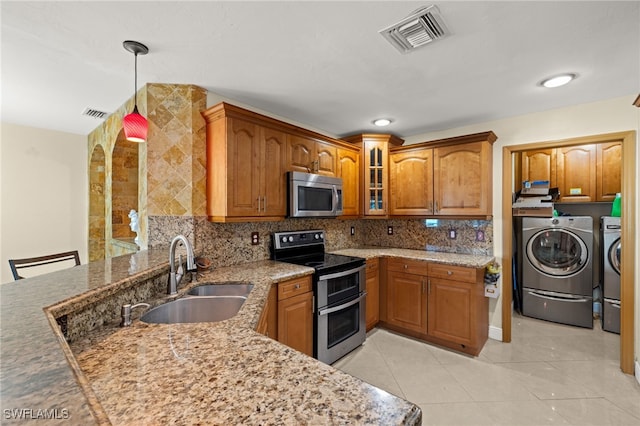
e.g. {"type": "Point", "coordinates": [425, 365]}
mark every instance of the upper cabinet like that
{"type": "Point", "coordinates": [305, 154]}
{"type": "Point", "coordinates": [582, 173]}
{"type": "Point", "coordinates": [608, 170]}
{"type": "Point", "coordinates": [249, 154]}
{"type": "Point", "coordinates": [411, 176]}
{"type": "Point", "coordinates": [375, 171]}
{"type": "Point", "coordinates": [448, 177]}
{"type": "Point", "coordinates": [349, 170]}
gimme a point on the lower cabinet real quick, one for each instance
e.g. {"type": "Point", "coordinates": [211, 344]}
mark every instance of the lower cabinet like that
{"type": "Point", "coordinates": [373, 293]}
{"type": "Point", "coordinates": [295, 314]}
{"type": "Point", "coordinates": [268, 322]}
{"type": "Point", "coordinates": [442, 304]}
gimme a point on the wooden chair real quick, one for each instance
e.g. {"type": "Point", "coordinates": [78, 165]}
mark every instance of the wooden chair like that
{"type": "Point", "coordinates": [16, 264]}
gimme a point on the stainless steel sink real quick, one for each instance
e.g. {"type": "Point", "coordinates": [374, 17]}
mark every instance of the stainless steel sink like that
{"type": "Point", "coordinates": [195, 309]}
{"type": "Point", "coordinates": [229, 288]}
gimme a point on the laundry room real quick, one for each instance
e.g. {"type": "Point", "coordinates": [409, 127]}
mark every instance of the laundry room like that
{"type": "Point", "coordinates": [566, 227]}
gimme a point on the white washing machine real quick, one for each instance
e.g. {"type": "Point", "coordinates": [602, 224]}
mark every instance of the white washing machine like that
{"type": "Point", "coordinates": [610, 272]}
{"type": "Point", "coordinates": [557, 269]}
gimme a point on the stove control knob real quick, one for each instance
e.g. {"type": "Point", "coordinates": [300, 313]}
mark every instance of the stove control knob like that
{"type": "Point", "coordinates": [290, 239]}
{"type": "Point", "coordinates": [322, 236]}
{"type": "Point", "coordinates": [284, 239]}
{"type": "Point", "coordinates": [316, 237]}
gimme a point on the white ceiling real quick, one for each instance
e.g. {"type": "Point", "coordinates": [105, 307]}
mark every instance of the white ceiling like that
{"type": "Point", "coordinates": [318, 63]}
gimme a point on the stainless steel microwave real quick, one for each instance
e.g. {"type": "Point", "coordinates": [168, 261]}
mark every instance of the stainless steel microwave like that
{"type": "Point", "coordinates": [312, 195]}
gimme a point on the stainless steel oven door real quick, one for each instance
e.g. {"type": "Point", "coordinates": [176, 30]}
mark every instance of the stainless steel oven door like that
{"type": "Point", "coordinates": [340, 329]}
{"type": "Point", "coordinates": [332, 288]}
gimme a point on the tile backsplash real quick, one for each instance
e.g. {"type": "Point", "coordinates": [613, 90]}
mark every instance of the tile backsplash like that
{"type": "Point", "coordinates": [230, 243]}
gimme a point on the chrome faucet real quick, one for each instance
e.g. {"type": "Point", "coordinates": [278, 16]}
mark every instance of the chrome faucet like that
{"type": "Point", "coordinates": [176, 276]}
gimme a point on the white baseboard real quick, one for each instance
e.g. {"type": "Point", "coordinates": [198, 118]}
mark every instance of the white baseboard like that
{"type": "Point", "coordinates": [495, 333]}
{"type": "Point", "coordinates": [637, 371]}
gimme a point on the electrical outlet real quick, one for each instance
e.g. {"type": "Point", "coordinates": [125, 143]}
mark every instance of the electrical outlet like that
{"type": "Point", "coordinates": [353, 230]}
{"type": "Point", "coordinates": [255, 238]}
{"type": "Point", "coordinates": [389, 230]}
{"type": "Point", "coordinates": [480, 235]}
{"type": "Point", "coordinates": [452, 234]}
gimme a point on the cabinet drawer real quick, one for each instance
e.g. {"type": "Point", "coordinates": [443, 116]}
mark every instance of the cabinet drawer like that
{"type": "Point", "coordinates": [455, 273]}
{"type": "Point", "coordinates": [410, 266]}
{"type": "Point", "coordinates": [291, 288]}
{"type": "Point", "coordinates": [372, 266]}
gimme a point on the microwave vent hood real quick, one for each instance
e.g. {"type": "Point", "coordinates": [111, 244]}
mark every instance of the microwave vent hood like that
{"type": "Point", "coordinates": [422, 27]}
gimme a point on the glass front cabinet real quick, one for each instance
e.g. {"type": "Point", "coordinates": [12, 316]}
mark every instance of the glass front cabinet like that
{"type": "Point", "coordinates": [375, 179]}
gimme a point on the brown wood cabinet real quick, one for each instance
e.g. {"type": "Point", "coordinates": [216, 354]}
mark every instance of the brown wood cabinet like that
{"type": "Point", "coordinates": [375, 171]}
{"type": "Point", "coordinates": [349, 171]}
{"type": "Point", "coordinates": [295, 314]}
{"type": "Point", "coordinates": [411, 176]}
{"type": "Point", "coordinates": [576, 169]}
{"type": "Point", "coordinates": [373, 293]}
{"type": "Point", "coordinates": [458, 310]}
{"type": "Point", "coordinates": [268, 322]}
{"type": "Point", "coordinates": [539, 164]}
{"type": "Point", "coordinates": [608, 170]}
{"type": "Point", "coordinates": [448, 177]}
{"type": "Point", "coordinates": [406, 295]}
{"type": "Point", "coordinates": [305, 154]}
{"type": "Point", "coordinates": [442, 304]}
{"type": "Point", "coordinates": [582, 173]}
{"type": "Point", "coordinates": [248, 155]}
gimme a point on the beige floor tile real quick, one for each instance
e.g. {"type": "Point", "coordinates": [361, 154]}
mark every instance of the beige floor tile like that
{"type": "Point", "coordinates": [487, 382]}
{"type": "Point", "coordinates": [399, 349]}
{"type": "Point", "coordinates": [630, 404]}
{"type": "Point", "coordinates": [367, 364]}
{"type": "Point", "coordinates": [546, 381]}
{"type": "Point", "coordinates": [595, 411]}
{"type": "Point", "coordinates": [455, 414]}
{"type": "Point", "coordinates": [600, 378]}
{"type": "Point", "coordinates": [516, 413]}
{"type": "Point", "coordinates": [428, 384]}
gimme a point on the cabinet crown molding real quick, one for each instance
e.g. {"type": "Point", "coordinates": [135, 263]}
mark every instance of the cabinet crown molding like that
{"type": "Point", "coordinates": [458, 140]}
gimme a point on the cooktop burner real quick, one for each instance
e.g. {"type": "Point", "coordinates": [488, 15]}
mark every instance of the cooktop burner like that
{"type": "Point", "coordinates": [307, 248]}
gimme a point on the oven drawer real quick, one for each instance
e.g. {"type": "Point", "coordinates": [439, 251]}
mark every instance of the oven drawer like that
{"type": "Point", "coordinates": [287, 289]}
{"type": "Point", "coordinates": [410, 266]}
{"type": "Point", "coordinates": [450, 272]}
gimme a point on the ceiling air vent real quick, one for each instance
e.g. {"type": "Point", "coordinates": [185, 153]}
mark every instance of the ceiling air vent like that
{"type": "Point", "coordinates": [416, 30]}
{"type": "Point", "coordinates": [94, 113]}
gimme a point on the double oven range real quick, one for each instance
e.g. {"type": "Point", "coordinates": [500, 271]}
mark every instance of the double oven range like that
{"type": "Point", "coordinates": [338, 292]}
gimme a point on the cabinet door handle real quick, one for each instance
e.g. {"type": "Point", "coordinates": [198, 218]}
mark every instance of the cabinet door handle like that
{"type": "Point", "coordinates": [436, 208]}
{"type": "Point", "coordinates": [406, 266]}
{"type": "Point", "coordinates": [297, 286]}
{"type": "Point", "coordinates": [449, 273]}
{"type": "Point", "coordinates": [264, 204]}
{"type": "Point", "coordinates": [259, 204]}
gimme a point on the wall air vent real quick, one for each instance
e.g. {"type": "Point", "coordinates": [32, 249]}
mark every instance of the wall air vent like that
{"type": "Point", "coordinates": [416, 30]}
{"type": "Point", "coordinates": [94, 113]}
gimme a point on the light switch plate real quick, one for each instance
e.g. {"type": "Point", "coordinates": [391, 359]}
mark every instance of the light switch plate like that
{"type": "Point", "coordinates": [255, 238]}
{"type": "Point", "coordinates": [453, 234]}
{"type": "Point", "coordinates": [389, 230]}
{"type": "Point", "coordinates": [353, 230]}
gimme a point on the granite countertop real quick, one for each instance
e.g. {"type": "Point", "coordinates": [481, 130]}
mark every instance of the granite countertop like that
{"type": "Point", "coordinates": [181, 373]}
{"type": "Point", "coordinates": [468, 260]}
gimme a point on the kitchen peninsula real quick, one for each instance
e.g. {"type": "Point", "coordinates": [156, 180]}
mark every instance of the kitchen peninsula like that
{"type": "Point", "coordinates": [217, 373]}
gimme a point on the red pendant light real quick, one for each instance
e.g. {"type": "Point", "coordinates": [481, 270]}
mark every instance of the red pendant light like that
{"type": "Point", "coordinates": [135, 125]}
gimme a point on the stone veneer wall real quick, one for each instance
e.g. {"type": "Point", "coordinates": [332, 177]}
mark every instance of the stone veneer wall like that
{"type": "Point", "coordinates": [171, 164]}
{"type": "Point", "coordinates": [230, 243]}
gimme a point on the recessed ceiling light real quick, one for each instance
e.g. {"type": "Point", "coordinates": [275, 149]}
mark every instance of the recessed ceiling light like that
{"type": "Point", "coordinates": [381, 122]}
{"type": "Point", "coordinates": [558, 80]}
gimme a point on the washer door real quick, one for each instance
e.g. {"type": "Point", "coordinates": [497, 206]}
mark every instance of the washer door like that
{"type": "Point", "coordinates": [614, 255]}
{"type": "Point", "coordinates": [557, 252]}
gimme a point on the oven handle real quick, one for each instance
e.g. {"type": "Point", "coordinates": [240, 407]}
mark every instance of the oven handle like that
{"type": "Point", "coordinates": [341, 307]}
{"type": "Point", "coordinates": [341, 273]}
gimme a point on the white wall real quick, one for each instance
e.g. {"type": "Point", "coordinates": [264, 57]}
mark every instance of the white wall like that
{"type": "Point", "coordinates": [614, 115]}
{"type": "Point", "coordinates": [43, 194]}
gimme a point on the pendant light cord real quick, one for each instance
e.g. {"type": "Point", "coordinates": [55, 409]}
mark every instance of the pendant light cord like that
{"type": "Point", "coordinates": [135, 81]}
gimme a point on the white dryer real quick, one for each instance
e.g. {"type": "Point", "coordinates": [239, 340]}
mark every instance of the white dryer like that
{"type": "Point", "coordinates": [610, 272]}
{"type": "Point", "coordinates": [557, 269]}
